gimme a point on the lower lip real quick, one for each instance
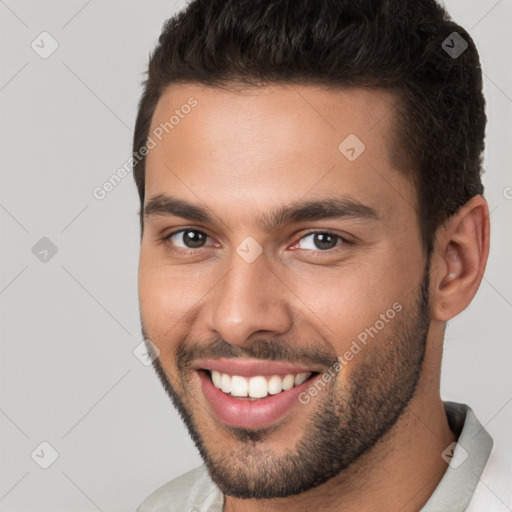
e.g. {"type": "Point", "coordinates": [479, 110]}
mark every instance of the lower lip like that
{"type": "Point", "coordinates": [250, 414]}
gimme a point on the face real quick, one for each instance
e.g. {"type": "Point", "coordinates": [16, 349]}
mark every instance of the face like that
{"type": "Point", "coordinates": [282, 279]}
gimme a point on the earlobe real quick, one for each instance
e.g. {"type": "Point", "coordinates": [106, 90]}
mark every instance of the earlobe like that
{"type": "Point", "coordinates": [462, 251]}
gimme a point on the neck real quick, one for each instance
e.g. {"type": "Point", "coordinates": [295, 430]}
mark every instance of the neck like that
{"type": "Point", "coordinates": [399, 473]}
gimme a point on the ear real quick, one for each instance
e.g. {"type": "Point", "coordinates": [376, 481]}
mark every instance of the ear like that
{"type": "Point", "coordinates": [458, 262]}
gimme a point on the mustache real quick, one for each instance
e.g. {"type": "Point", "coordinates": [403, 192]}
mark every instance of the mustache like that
{"type": "Point", "coordinates": [267, 350]}
{"type": "Point", "coordinates": [309, 354]}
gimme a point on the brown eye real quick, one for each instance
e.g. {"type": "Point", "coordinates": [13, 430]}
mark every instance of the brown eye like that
{"type": "Point", "coordinates": [320, 241]}
{"type": "Point", "coordinates": [187, 239]}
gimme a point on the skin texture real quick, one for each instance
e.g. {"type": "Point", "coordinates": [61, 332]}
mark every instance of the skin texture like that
{"type": "Point", "coordinates": [243, 155]}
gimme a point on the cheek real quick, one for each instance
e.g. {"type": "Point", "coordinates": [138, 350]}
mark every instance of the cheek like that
{"type": "Point", "coordinates": [170, 298]}
{"type": "Point", "coordinates": [343, 305]}
{"type": "Point", "coordinates": [159, 303]}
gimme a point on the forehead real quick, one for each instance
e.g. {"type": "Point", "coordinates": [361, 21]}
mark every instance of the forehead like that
{"type": "Point", "coordinates": [274, 144]}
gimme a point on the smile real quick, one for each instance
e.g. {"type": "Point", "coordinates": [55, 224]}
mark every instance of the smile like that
{"type": "Point", "coordinates": [252, 394]}
{"type": "Point", "coordinates": [258, 386]}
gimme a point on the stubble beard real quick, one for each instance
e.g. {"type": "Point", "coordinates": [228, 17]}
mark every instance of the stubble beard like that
{"type": "Point", "coordinates": [347, 422]}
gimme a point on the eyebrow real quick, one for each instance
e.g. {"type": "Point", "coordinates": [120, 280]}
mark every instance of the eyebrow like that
{"type": "Point", "coordinates": [327, 208]}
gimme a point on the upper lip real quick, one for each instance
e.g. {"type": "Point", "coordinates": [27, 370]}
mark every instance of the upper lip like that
{"type": "Point", "coordinates": [251, 367]}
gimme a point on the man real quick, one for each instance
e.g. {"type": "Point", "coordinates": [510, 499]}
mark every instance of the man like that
{"type": "Point", "coordinates": [312, 216]}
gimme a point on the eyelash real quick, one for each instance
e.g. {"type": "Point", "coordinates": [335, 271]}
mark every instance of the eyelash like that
{"type": "Point", "coordinates": [186, 252]}
{"type": "Point", "coordinates": [180, 250]}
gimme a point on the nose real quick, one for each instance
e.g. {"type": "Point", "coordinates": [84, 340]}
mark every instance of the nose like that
{"type": "Point", "coordinates": [250, 300]}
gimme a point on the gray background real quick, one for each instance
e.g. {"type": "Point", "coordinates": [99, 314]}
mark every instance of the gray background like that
{"type": "Point", "coordinates": [70, 324]}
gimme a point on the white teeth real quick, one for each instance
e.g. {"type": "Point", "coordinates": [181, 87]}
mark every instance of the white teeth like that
{"type": "Point", "coordinates": [258, 386]}
{"type": "Point", "coordinates": [288, 382]}
{"type": "Point", "coordinates": [239, 386]}
{"type": "Point", "coordinates": [275, 385]}
{"type": "Point", "coordinates": [225, 383]}
{"type": "Point", "coordinates": [301, 377]}
{"type": "Point", "coordinates": [216, 379]}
